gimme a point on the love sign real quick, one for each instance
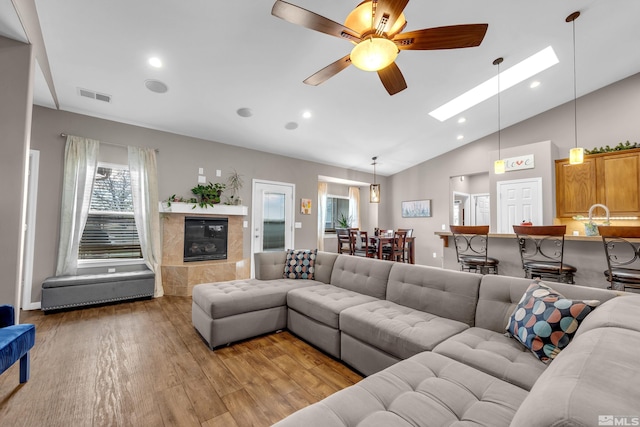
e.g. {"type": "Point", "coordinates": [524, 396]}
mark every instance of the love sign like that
{"type": "Point", "coordinates": [518, 163]}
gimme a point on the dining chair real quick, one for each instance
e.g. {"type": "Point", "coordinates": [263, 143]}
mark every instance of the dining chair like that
{"type": "Point", "coordinates": [542, 252]}
{"type": "Point", "coordinates": [409, 232]}
{"type": "Point", "coordinates": [344, 245]}
{"type": "Point", "coordinates": [623, 256]}
{"type": "Point", "coordinates": [395, 251]}
{"type": "Point", "coordinates": [360, 245]}
{"type": "Point", "coordinates": [471, 242]}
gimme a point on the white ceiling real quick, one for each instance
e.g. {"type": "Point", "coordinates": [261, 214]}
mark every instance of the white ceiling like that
{"type": "Point", "coordinates": [220, 56]}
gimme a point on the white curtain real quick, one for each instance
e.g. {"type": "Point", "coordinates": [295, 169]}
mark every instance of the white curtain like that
{"type": "Point", "coordinates": [144, 189]}
{"type": "Point", "coordinates": [80, 163]}
{"type": "Point", "coordinates": [354, 206]}
{"type": "Point", "coordinates": [322, 213]}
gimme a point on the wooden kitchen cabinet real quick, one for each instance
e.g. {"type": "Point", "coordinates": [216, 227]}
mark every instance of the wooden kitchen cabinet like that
{"type": "Point", "coordinates": [612, 179]}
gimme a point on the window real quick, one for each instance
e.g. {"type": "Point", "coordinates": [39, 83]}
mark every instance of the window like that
{"type": "Point", "coordinates": [337, 213]}
{"type": "Point", "coordinates": [110, 232]}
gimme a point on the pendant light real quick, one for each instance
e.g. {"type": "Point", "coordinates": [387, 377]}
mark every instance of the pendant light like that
{"type": "Point", "coordinates": [498, 165]}
{"type": "Point", "coordinates": [374, 189]}
{"type": "Point", "coordinates": [576, 154]}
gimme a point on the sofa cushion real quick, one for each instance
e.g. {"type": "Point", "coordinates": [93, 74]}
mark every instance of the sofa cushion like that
{"type": "Point", "coordinates": [621, 312]}
{"type": "Point", "coordinates": [445, 293]}
{"type": "Point", "coordinates": [270, 265]}
{"type": "Point", "coordinates": [224, 299]}
{"type": "Point", "coordinates": [397, 330]}
{"type": "Point", "coordinates": [500, 294]}
{"type": "Point", "coordinates": [495, 354]}
{"type": "Point", "coordinates": [325, 302]}
{"type": "Point", "coordinates": [545, 321]}
{"type": "Point", "coordinates": [595, 376]}
{"type": "Point", "coordinates": [425, 390]}
{"type": "Point", "coordinates": [300, 264]}
{"type": "Point", "coordinates": [359, 274]}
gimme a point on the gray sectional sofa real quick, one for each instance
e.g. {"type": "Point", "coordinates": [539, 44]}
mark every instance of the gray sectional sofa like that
{"type": "Point", "coordinates": [432, 343]}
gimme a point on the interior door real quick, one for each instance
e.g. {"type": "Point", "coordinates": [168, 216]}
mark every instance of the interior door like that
{"type": "Point", "coordinates": [273, 214]}
{"type": "Point", "coordinates": [519, 200]}
{"type": "Point", "coordinates": [481, 212]}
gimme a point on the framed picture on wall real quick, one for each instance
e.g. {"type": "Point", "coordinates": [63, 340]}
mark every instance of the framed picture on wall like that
{"type": "Point", "coordinates": [416, 208]}
{"type": "Point", "coordinates": [305, 206]}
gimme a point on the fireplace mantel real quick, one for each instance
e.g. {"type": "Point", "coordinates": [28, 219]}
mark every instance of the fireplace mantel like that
{"type": "Point", "coordinates": [188, 208]}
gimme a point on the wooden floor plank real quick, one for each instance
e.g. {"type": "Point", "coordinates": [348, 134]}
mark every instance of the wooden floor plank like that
{"type": "Point", "coordinates": [142, 363]}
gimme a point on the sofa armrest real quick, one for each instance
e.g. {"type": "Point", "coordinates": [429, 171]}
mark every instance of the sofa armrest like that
{"type": "Point", "coordinates": [7, 316]}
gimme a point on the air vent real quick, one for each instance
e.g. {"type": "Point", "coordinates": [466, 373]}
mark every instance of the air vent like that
{"type": "Point", "coordinates": [94, 95]}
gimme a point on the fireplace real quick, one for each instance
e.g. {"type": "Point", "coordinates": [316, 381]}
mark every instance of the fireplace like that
{"type": "Point", "coordinates": [205, 238]}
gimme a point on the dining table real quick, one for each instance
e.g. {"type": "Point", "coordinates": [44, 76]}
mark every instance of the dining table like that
{"type": "Point", "coordinates": [381, 241]}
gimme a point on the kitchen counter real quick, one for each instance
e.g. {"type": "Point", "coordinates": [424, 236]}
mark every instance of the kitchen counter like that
{"type": "Point", "coordinates": [586, 253]}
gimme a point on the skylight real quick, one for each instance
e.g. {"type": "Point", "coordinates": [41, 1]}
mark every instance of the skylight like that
{"type": "Point", "coordinates": [523, 70]}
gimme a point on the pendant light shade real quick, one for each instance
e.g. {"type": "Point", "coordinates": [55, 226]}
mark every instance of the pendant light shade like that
{"type": "Point", "coordinates": [498, 165]}
{"type": "Point", "coordinates": [576, 154]}
{"type": "Point", "coordinates": [374, 189]}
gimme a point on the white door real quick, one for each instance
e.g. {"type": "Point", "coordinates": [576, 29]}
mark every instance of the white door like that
{"type": "Point", "coordinates": [519, 200]}
{"type": "Point", "coordinates": [273, 214]}
{"type": "Point", "coordinates": [481, 212]}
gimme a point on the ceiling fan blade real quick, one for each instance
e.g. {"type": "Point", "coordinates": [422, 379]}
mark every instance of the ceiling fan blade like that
{"type": "Point", "coordinates": [329, 71]}
{"type": "Point", "coordinates": [389, 9]}
{"type": "Point", "coordinates": [305, 18]}
{"type": "Point", "coordinates": [451, 37]}
{"type": "Point", "coordinates": [392, 79]}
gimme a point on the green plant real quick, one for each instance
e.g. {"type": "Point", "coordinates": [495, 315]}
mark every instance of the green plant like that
{"type": "Point", "coordinates": [607, 149]}
{"type": "Point", "coordinates": [344, 221]}
{"type": "Point", "coordinates": [175, 199]}
{"type": "Point", "coordinates": [235, 183]}
{"type": "Point", "coordinates": [209, 194]}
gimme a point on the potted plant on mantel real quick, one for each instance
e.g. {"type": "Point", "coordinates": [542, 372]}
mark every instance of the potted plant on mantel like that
{"type": "Point", "coordinates": [235, 184]}
{"type": "Point", "coordinates": [208, 195]}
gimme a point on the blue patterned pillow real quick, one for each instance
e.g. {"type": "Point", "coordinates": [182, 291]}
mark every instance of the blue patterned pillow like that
{"type": "Point", "coordinates": [545, 321]}
{"type": "Point", "coordinates": [300, 264]}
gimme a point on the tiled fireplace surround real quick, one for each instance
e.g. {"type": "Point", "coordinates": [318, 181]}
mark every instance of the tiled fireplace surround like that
{"type": "Point", "coordinates": [179, 277]}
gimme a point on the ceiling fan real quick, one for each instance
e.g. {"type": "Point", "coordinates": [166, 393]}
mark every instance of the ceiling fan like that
{"type": "Point", "coordinates": [375, 27]}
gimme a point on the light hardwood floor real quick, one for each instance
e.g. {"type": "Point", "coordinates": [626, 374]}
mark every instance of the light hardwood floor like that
{"type": "Point", "coordinates": [143, 364]}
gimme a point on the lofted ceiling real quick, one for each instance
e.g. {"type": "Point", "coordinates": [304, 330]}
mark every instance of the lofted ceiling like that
{"type": "Point", "coordinates": [219, 57]}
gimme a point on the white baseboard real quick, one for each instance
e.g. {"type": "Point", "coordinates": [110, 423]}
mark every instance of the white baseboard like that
{"type": "Point", "coordinates": [32, 306]}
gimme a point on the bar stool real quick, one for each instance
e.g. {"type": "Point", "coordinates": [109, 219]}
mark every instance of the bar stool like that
{"type": "Point", "coordinates": [471, 242]}
{"type": "Point", "coordinates": [542, 252]}
{"type": "Point", "coordinates": [623, 256]}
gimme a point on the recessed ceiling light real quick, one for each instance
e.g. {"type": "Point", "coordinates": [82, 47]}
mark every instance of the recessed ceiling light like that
{"type": "Point", "coordinates": [460, 137]}
{"type": "Point", "coordinates": [155, 62]}
{"type": "Point", "coordinates": [523, 70]}
{"type": "Point", "coordinates": [306, 114]}
{"type": "Point", "coordinates": [244, 112]}
{"type": "Point", "coordinates": [462, 120]}
{"type": "Point", "coordinates": [534, 84]}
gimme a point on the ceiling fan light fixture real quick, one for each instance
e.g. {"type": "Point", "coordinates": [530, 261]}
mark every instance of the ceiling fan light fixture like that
{"type": "Point", "coordinates": [374, 54]}
{"type": "Point", "coordinates": [360, 19]}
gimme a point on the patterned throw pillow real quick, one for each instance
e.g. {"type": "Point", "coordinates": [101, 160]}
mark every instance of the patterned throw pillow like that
{"type": "Point", "coordinates": [300, 264]}
{"type": "Point", "coordinates": [545, 321]}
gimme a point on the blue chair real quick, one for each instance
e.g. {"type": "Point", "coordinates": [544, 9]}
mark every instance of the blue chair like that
{"type": "Point", "coordinates": [15, 342]}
